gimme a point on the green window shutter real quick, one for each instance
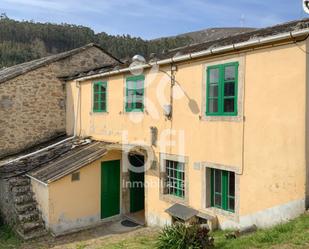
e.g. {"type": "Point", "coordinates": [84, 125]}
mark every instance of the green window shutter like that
{"type": "Point", "coordinates": [222, 90]}
{"type": "Point", "coordinates": [135, 93]}
{"type": "Point", "coordinates": [99, 97]}
{"type": "Point", "coordinates": [223, 189]}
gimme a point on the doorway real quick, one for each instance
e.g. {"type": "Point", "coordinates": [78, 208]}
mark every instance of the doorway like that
{"type": "Point", "coordinates": [137, 189]}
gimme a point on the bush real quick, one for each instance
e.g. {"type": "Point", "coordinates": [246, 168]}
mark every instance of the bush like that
{"type": "Point", "coordinates": [181, 236]}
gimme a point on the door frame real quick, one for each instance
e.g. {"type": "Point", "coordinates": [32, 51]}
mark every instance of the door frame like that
{"type": "Point", "coordinates": [120, 191]}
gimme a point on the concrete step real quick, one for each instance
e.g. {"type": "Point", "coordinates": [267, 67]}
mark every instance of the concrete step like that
{"type": "Point", "coordinates": [23, 208]}
{"type": "Point", "coordinates": [20, 190]}
{"type": "Point", "coordinates": [29, 216]}
{"type": "Point", "coordinates": [23, 199]}
{"type": "Point", "coordinates": [36, 233]}
{"type": "Point", "coordinates": [27, 227]}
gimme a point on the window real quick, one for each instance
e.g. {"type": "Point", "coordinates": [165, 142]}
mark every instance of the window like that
{"type": "Point", "coordinates": [175, 178]}
{"type": "Point", "coordinates": [135, 94]}
{"type": "Point", "coordinates": [99, 96]}
{"type": "Point", "coordinates": [223, 189]}
{"type": "Point", "coordinates": [75, 177]}
{"type": "Point", "coordinates": [222, 81]}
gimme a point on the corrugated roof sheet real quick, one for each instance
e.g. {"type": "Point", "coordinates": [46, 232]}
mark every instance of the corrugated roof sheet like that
{"type": "Point", "coordinates": [69, 162]}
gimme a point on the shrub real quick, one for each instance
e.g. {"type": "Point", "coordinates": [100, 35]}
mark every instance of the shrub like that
{"type": "Point", "coordinates": [181, 236]}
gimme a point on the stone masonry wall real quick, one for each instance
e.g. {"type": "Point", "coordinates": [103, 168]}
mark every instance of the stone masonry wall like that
{"type": "Point", "coordinates": [32, 105]}
{"type": "Point", "coordinates": [83, 61]}
{"type": "Point", "coordinates": [32, 110]}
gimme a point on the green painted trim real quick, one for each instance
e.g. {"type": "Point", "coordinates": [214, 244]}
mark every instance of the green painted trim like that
{"type": "Point", "coordinates": [101, 99]}
{"type": "Point", "coordinates": [135, 78]}
{"type": "Point", "coordinates": [212, 202]}
{"type": "Point", "coordinates": [134, 108]}
{"type": "Point", "coordinates": [225, 191]}
{"type": "Point", "coordinates": [110, 196]}
{"type": "Point", "coordinates": [221, 83]}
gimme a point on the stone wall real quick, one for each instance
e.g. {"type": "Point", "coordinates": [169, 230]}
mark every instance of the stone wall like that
{"type": "Point", "coordinates": [32, 105]}
{"type": "Point", "coordinates": [7, 203]}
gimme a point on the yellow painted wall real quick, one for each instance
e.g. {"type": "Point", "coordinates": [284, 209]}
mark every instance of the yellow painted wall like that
{"type": "Point", "coordinates": [42, 198]}
{"type": "Point", "coordinates": [73, 205]}
{"type": "Point", "coordinates": [267, 150]}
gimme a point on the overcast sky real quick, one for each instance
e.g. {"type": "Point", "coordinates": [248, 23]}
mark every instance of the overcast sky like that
{"type": "Point", "coordinates": [151, 19]}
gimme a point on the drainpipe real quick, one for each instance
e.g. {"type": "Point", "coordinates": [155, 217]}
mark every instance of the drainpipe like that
{"type": "Point", "coordinates": [77, 107]}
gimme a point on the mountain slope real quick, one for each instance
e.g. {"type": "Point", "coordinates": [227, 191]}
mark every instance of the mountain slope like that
{"type": "Point", "coordinates": [25, 41]}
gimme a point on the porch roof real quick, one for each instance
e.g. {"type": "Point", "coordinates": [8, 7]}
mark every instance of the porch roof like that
{"type": "Point", "coordinates": [69, 162]}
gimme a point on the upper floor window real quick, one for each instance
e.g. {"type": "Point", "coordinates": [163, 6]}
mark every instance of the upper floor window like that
{"type": "Point", "coordinates": [222, 81]}
{"type": "Point", "coordinates": [135, 93]}
{"type": "Point", "coordinates": [99, 96]}
{"type": "Point", "coordinates": [223, 189]}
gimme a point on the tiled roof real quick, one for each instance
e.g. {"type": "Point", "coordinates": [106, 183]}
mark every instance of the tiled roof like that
{"type": "Point", "coordinates": [241, 37]}
{"type": "Point", "coordinates": [14, 71]}
{"type": "Point", "coordinates": [221, 42]}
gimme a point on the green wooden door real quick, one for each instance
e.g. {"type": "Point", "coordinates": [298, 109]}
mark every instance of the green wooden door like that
{"type": "Point", "coordinates": [137, 196]}
{"type": "Point", "coordinates": [110, 188]}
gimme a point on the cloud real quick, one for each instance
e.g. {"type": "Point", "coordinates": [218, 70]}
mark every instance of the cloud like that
{"type": "Point", "coordinates": [43, 4]}
{"type": "Point", "coordinates": [149, 18]}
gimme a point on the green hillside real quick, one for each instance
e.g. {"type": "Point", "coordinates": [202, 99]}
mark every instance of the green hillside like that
{"type": "Point", "coordinates": [27, 40]}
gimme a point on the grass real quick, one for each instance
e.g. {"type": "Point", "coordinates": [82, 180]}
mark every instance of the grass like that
{"type": "Point", "coordinates": [7, 238]}
{"type": "Point", "coordinates": [294, 234]}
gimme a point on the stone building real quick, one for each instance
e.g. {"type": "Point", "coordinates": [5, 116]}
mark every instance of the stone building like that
{"type": "Point", "coordinates": [32, 96]}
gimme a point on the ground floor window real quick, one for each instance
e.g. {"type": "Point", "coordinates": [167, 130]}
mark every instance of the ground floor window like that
{"type": "Point", "coordinates": [223, 189]}
{"type": "Point", "coordinates": [175, 174]}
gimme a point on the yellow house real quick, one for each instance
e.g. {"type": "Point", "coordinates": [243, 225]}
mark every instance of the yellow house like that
{"type": "Point", "coordinates": [220, 128]}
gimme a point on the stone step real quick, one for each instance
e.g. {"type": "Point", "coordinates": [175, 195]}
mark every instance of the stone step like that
{"type": "Point", "coordinates": [36, 233]}
{"type": "Point", "coordinates": [23, 199]}
{"type": "Point", "coordinates": [27, 227]}
{"type": "Point", "coordinates": [29, 216]}
{"type": "Point", "coordinates": [22, 208]}
{"type": "Point", "coordinates": [19, 181]}
{"type": "Point", "coordinates": [20, 190]}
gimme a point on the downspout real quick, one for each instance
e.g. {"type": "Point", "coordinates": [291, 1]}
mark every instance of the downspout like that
{"type": "Point", "coordinates": [77, 108]}
{"type": "Point", "coordinates": [58, 143]}
{"type": "Point", "coordinates": [307, 129]}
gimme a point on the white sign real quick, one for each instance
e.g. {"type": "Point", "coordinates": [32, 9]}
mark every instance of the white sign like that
{"type": "Point", "coordinates": [306, 6]}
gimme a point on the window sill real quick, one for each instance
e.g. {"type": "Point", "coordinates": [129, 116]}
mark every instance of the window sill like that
{"type": "Point", "coordinates": [221, 212]}
{"type": "Point", "coordinates": [99, 113]}
{"type": "Point", "coordinates": [222, 118]}
{"type": "Point", "coordinates": [134, 112]}
{"type": "Point", "coordinates": [173, 199]}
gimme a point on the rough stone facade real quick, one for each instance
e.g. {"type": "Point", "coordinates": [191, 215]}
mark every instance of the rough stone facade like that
{"type": "Point", "coordinates": [32, 105]}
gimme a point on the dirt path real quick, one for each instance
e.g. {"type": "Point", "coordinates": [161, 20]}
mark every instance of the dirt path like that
{"type": "Point", "coordinates": [83, 240]}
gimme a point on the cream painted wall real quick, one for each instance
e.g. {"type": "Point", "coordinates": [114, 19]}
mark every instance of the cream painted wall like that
{"type": "Point", "coordinates": [77, 204]}
{"type": "Point", "coordinates": [42, 197]}
{"type": "Point", "coordinates": [267, 150]}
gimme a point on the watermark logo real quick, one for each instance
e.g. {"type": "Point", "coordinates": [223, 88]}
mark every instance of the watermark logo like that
{"type": "Point", "coordinates": [133, 134]}
{"type": "Point", "coordinates": [306, 6]}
